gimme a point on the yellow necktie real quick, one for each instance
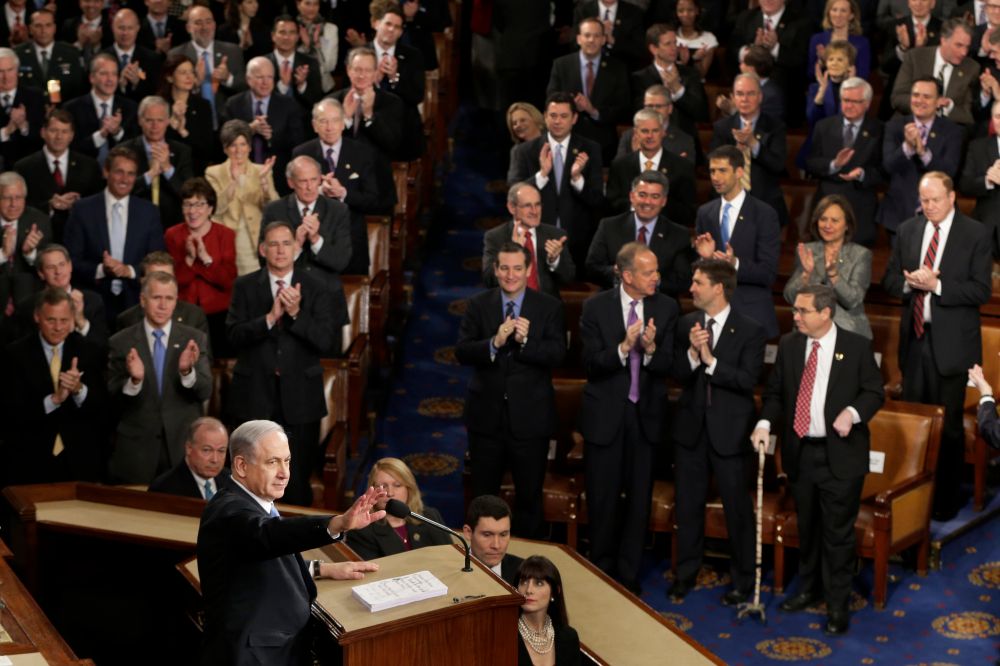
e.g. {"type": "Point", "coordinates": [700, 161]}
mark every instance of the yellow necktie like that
{"type": "Point", "coordinates": [54, 366]}
{"type": "Point", "coordinates": [649, 165]}
{"type": "Point", "coordinates": [156, 190]}
{"type": "Point", "coordinates": [745, 179]}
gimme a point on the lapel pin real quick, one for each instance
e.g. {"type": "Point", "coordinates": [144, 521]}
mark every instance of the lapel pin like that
{"type": "Point", "coordinates": [604, 63]}
{"type": "Point", "coordinates": [575, 151]}
{"type": "Point", "coordinates": [839, 356]}
{"type": "Point", "coordinates": [741, 217]}
{"type": "Point", "coordinates": [933, 135]}
{"type": "Point", "coordinates": [416, 537]}
{"type": "Point", "coordinates": [758, 136]}
{"type": "Point", "coordinates": [176, 346]}
{"type": "Point", "coordinates": [732, 330]}
{"type": "Point", "coordinates": [864, 133]}
{"type": "Point", "coordinates": [347, 166]}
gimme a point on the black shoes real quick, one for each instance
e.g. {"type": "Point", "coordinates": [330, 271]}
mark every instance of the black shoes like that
{"type": "Point", "coordinates": [735, 597]}
{"type": "Point", "coordinates": [799, 602]}
{"type": "Point", "coordinates": [837, 623]}
{"type": "Point", "coordinates": [680, 589]}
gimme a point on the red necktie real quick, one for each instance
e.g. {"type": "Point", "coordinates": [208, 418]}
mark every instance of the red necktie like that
{"type": "Point", "coordinates": [57, 176]}
{"type": "Point", "coordinates": [801, 423]}
{"type": "Point", "coordinates": [642, 234]}
{"type": "Point", "coordinates": [918, 298]}
{"type": "Point", "coordinates": [533, 276]}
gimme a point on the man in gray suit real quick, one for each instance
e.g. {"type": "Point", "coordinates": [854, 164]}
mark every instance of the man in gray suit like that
{"type": "Point", "coordinates": [525, 228]}
{"type": "Point", "coordinates": [159, 378]}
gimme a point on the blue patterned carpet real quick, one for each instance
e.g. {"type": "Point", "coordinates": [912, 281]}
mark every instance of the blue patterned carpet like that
{"type": "Point", "coordinates": [950, 617]}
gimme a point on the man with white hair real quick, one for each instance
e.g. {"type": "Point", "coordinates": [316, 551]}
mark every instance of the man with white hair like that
{"type": "Point", "coordinates": [22, 111]}
{"type": "Point", "coordinates": [23, 231]}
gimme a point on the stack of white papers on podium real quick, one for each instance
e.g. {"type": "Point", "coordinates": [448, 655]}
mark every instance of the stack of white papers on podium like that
{"type": "Point", "coordinates": [399, 591]}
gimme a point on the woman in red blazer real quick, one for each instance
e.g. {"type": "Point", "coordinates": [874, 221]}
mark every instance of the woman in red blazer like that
{"type": "Point", "coordinates": [204, 255]}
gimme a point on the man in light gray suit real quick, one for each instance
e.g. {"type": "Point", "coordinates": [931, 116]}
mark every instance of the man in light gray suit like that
{"type": "Point", "coordinates": [159, 378]}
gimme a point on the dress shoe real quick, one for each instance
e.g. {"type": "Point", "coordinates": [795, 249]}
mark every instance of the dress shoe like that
{"type": "Point", "coordinates": [799, 602]}
{"type": "Point", "coordinates": [633, 587]}
{"type": "Point", "coordinates": [944, 514]}
{"type": "Point", "coordinates": [735, 597]}
{"type": "Point", "coordinates": [837, 623]}
{"type": "Point", "coordinates": [680, 589]}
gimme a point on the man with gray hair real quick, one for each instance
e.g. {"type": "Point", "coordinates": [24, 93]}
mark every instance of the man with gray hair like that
{"type": "Point", "coordinates": [675, 140]}
{"type": "Point", "coordinates": [551, 263]}
{"type": "Point", "coordinates": [23, 231]}
{"type": "Point", "coordinates": [203, 471]}
{"type": "Point", "coordinates": [845, 155]}
{"type": "Point", "coordinates": [348, 168]}
{"type": "Point", "coordinates": [22, 112]}
{"type": "Point", "coordinates": [102, 117]}
{"type": "Point", "coordinates": [257, 588]}
{"type": "Point", "coordinates": [164, 164]}
{"type": "Point", "coordinates": [651, 156]}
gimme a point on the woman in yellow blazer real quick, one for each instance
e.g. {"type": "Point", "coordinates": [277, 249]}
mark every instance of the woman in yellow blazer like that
{"type": "Point", "coordinates": [243, 189]}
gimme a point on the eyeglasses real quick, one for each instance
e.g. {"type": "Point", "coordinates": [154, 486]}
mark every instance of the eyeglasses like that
{"type": "Point", "coordinates": [802, 312]}
{"type": "Point", "coordinates": [846, 100]}
{"type": "Point", "coordinates": [193, 205]}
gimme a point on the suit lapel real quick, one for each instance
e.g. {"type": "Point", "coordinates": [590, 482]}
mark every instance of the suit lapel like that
{"type": "Point", "coordinates": [835, 366]}
{"type": "Point", "coordinates": [798, 361]}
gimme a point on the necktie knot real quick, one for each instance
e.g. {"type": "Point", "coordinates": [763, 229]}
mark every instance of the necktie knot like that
{"type": "Point", "coordinates": [104, 109]}
{"type": "Point", "coordinates": [281, 285]}
{"type": "Point", "coordinates": [305, 211]}
{"type": "Point", "coordinates": [158, 334]}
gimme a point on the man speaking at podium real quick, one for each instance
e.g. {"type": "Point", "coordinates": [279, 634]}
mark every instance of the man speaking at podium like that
{"type": "Point", "coordinates": [257, 588]}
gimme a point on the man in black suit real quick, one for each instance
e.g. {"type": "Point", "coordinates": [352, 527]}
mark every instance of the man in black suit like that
{"type": "Point", "coordinates": [846, 157]}
{"type": "Point", "coordinates": [22, 112]}
{"type": "Point", "coordinates": [744, 231]}
{"type": "Point", "coordinates": [646, 224]}
{"type": "Point", "coordinates": [622, 28]}
{"type": "Point", "coordinates": [760, 139]}
{"type": "Point", "coordinates": [14, 20]}
{"type": "Point", "coordinates": [986, 417]}
{"type": "Point", "coordinates": [138, 66]}
{"type": "Point", "coordinates": [675, 140]}
{"type": "Point", "coordinates": [59, 176]}
{"type": "Point", "coordinates": [373, 117]}
{"type": "Point", "coordinates": [400, 71]}
{"type": "Point", "coordinates": [159, 30]}
{"type": "Point", "coordinates": [257, 588]}
{"type": "Point", "coordinates": [819, 400]}
{"type": "Point", "coordinates": [523, 50]}
{"type": "Point", "coordinates": [487, 529]}
{"type": "Point", "coordinates": [42, 59]}
{"type": "Point", "coordinates": [512, 336]}
{"type": "Point", "coordinates": [570, 196]}
{"type": "Point", "coordinates": [90, 30]}
{"type": "Point", "coordinates": [185, 313]}
{"type": "Point", "coordinates": [651, 156]}
{"type": "Point", "coordinates": [296, 74]}
{"type": "Point", "coordinates": [627, 335]}
{"type": "Point", "coordinates": [322, 233]}
{"type": "Point", "coordinates": [165, 164]}
{"type": "Point", "coordinates": [915, 145]}
{"type": "Point", "coordinates": [276, 120]}
{"type": "Point", "coordinates": [981, 178]}
{"type": "Point", "coordinates": [919, 28]}
{"type": "Point", "coordinates": [281, 321]}
{"type": "Point", "coordinates": [348, 168]}
{"type": "Point", "coordinates": [941, 268]}
{"type": "Point", "coordinates": [54, 412]}
{"type": "Point", "coordinates": [524, 203]}
{"type": "Point", "coordinates": [22, 231]}
{"type": "Point", "coordinates": [682, 81]}
{"type": "Point", "coordinates": [598, 85]}
{"type": "Point", "coordinates": [203, 471]}
{"type": "Point", "coordinates": [718, 356]}
{"type": "Point", "coordinates": [102, 118]}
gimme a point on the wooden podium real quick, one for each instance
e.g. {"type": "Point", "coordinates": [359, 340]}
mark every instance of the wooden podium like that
{"type": "Point", "coordinates": [475, 624]}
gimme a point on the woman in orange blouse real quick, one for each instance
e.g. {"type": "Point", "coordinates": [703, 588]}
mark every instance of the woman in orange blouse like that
{"type": "Point", "coordinates": [204, 255]}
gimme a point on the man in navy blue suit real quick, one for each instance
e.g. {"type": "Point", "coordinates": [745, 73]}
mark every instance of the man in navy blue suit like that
{"type": "Point", "coordinates": [107, 234]}
{"type": "Point", "coordinates": [744, 231]}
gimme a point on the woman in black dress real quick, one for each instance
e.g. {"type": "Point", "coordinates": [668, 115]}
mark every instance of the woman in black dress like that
{"type": "Point", "coordinates": [546, 637]}
{"type": "Point", "coordinates": [190, 114]}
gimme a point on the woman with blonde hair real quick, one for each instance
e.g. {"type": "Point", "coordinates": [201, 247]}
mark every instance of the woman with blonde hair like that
{"type": "Point", "coordinates": [393, 535]}
{"type": "Point", "coordinates": [841, 22]}
{"type": "Point", "coordinates": [525, 123]}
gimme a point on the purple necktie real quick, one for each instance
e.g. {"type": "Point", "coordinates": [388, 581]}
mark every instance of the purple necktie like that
{"type": "Point", "coordinates": [258, 140]}
{"type": "Point", "coordinates": [634, 358]}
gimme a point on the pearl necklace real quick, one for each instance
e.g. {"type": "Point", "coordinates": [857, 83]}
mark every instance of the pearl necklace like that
{"type": "Point", "coordinates": [541, 642]}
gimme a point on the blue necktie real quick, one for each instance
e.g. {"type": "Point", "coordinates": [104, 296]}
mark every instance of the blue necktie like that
{"type": "Point", "coordinates": [123, 58]}
{"type": "Point", "coordinates": [557, 166]}
{"type": "Point", "coordinates": [208, 489]}
{"type": "Point", "coordinates": [725, 226]}
{"type": "Point", "coordinates": [206, 87]}
{"type": "Point", "coordinates": [331, 162]}
{"type": "Point", "coordinates": [274, 512]}
{"type": "Point", "coordinates": [102, 152]}
{"type": "Point", "coordinates": [159, 358]}
{"type": "Point", "coordinates": [117, 242]}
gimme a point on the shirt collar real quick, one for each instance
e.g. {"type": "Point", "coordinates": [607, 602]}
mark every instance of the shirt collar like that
{"type": "Point", "coordinates": [721, 317]}
{"type": "Point", "coordinates": [625, 299]}
{"type": "Point", "coordinates": [564, 143]}
{"type": "Point", "coordinates": [826, 342]}
{"type": "Point", "coordinates": [146, 326]}
{"type": "Point", "coordinates": [655, 159]}
{"type": "Point", "coordinates": [737, 202]}
{"type": "Point", "coordinates": [50, 158]}
{"type": "Point", "coordinates": [299, 204]}
{"type": "Point", "coordinates": [649, 224]}
{"type": "Point", "coordinates": [336, 146]}
{"type": "Point", "coordinates": [119, 52]}
{"type": "Point", "coordinates": [98, 101]}
{"type": "Point", "coordinates": [274, 279]}
{"type": "Point", "coordinates": [266, 505]}
{"type": "Point", "coordinates": [51, 349]}
{"type": "Point", "coordinates": [775, 17]}
{"type": "Point", "coordinates": [945, 225]}
{"type": "Point", "coordinates": [518, 300]}
{"type": "Point", "coordinates": [584, 60]}
{"type": "Point", "coordinates": [109, 200]}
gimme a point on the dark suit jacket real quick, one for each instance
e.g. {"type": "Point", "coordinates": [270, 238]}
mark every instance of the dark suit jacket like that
{"type": "Point", "coordinates": [670, 242]}
{"type": "Point", "coordinates": [284, 115]}
{"type": "Point", "coordinates": [150, 62]}
{"type": "Point", "coordinates": [93, 311]}
{"type": "Point", "coordinates": [689, 110]}
{"type": "Point", "coordinates": [962, 85]}
{"type": "Point", "coordinates": [356, 172]}
{"type": "Point", "coordinates": [410, 88]}
{"type": "Point", "coordinates": [966, 283]}
{"type": "Point", "coordinates": [173, 27]}
{"type": "Point", "coordinates": [890, 62]}
{"type": "Point", "coordinates": [30, 217]}
{"type": "Point", "coordinates": [149, 417]}
{"type": "Point", "coordinates": [18, 145]}
{"type": "Point", "coordinates": [313, 91]}
{"type": "Point", "coordinates": [256, 587]}
{"type": "Point", "coordinates": [549, 281]}
{"type": "Point", "coordinates": [234, 60]}
{"type": "Point", "coordinates": [178, 481]}
{"type": "Point", "coordinates": [84, 176]}
{"type": "Point", "coordinates": [827, 141]}
{"type": "Point", "coordinates": [65, 66]}
{"type": "Point", "coordinates": [767, 168]}
{"type": "Point", "coordinates": [675, 140]}
{"type": "Point", "coordinates": [979, 157]}
{"type": "Point", "coordinates": [945, 143]}
{"type": "Point", "coordinates": [728, 420]}
{"type": "Point", "coordinates": [185, 313]}
{"type": "Point", "coordinates": [756, 242]}
{"type": "Point", "coordinates": [509, 568]}
{"type": "Point", "coordinates": [87, 238]}
{"type": "Point", "coordinates": [679, 172]}
{"type": "Point", "coordinates": [610, 97]}
{"type": "Point", "coordinates": [170, 188]}
{"type": "Point", "coordinates": [989, 426]}
{"type": "Point", "coordinates": [379, 539]}
{"type": "Point", "coordinates": [567, 645]}
{"type": "Point", "coordinates": [628, 31]}
{"type": "Point", "coordinates": [855, 381]}
{"type": "Point", "coordinates": [86, 122]}
{"type": "Point", "coordinates": [519, 375]}
{"type": "Point", "coordinates": [31, 432]}
{"type": "Point", "coordinates": [335, 229]}
{"type": "Point", "coordinates": [201, 139]}
{"type": "Point", "coordinates": [68, 32]}
{"type": "Point", "coordinates": [29, 9]}
{"type": "Point", "coordinates": [291, 349]}
{"type": "Point", "coordinates": [602, 328]}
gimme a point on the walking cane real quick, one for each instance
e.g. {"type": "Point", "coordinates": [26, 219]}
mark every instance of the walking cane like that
{"type": "Point", "coordinates": [756, 607]}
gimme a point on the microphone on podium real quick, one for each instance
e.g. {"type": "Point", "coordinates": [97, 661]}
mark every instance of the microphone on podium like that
{"type": "Point", "coordinates": [400, 510]}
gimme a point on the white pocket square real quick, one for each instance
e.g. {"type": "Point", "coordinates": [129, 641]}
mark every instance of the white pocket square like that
{"type": "Point", "coordinates": [353, 176]}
